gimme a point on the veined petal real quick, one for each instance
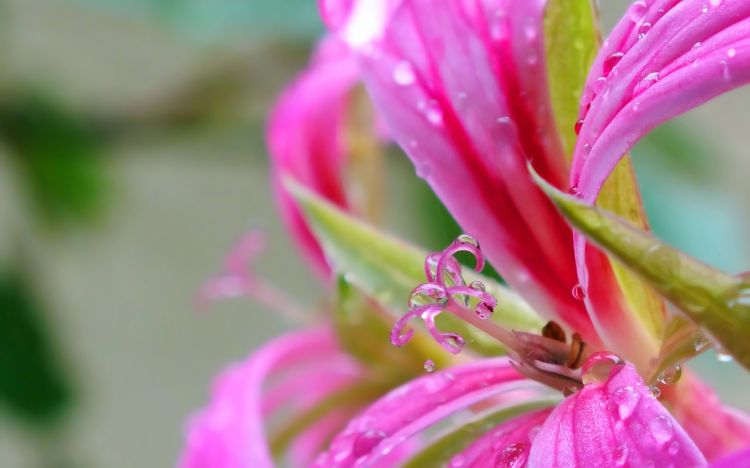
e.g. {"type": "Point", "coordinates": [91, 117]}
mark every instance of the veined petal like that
{"type": "Point", "coordinates": [230, 431]}
{"type": "Point", "coordinates": [306, 138]}
{"type": "Point", "coordinates": [463, 89]}
{"type": "Point", "coordinates": [614, 423]}
{"type": "Point", "coordinates": [691, 51]}
{"type": "Point", "coordinates": [406, 411]}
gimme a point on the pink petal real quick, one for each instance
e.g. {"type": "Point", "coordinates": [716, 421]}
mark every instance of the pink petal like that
{"type": "Point", "coordinates": [306, 139]}
{"type": "Point", "coordinates": [230, 432]}
{"type": "Point", "coordinates": [662, 59]}
{"type": "Point", "coordinates": [717, 429]}
{"type": "Point", "coordinates": [615, 423]}
{"type": "Point", "coordinates": [463, 89]}
{"type": "Point", "coordinates": [739, 459]}
{"type": "Point", "coordinates": [406, 411]}
{"type": "Point", "coordinates": [693, 51]}
{"type": "Point", "coordinates": [507, 445]}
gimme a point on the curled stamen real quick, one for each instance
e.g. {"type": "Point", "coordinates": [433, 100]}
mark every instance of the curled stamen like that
{"type": "Point", "coordinates": [445, 285]}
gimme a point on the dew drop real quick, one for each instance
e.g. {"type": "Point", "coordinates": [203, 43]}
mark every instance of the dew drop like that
{"type": "Point", "coordinates": [512, 456]}
{"type": "Point", "coordinates": [468, 240]}
{"type": "Point", "coordinates": [477, 286]}
{"type": "Point", "coordinates": [624, 401]}
{"type": "Point", "coordinates": [621, 455]}
{"type": "Point", "coordinates": [403, 74]}
{"type": "Point", "coordinates": [504, 120]}
{"type": "Point", "coordinates": [725, 72]}
{"type": "Point", "coordinates": [599, 367]}
{"type": "Point", "coordinates": [610, 62]}
{"type": "Point", "coordinates": [643, 30]}
{"type": "Point", "coordinates": [578, 126]}
{"type": "Point", "coordinates": [674, 448]}
{"type": "Point", "coordinates": [573, 191]}
{"type": "Point", "coordinates": [715, 2]}
{"type": "Point", "coordinates": [484, 311]}
{"type": "Point", "coordinates": [723, 356]}
{"type": "Point", "coordinates": [427, 294]}
{"type": "Point", "coordinates": [570, 390]}
{"type": "Point", "coordinates": [637, 10]}
{"type": "Point", "coordinates": [646, 82]}
{"type": "Point", "coordinates": [424, 170]}
{"type": "Point", "coordinates": [731, 52]}
{"type": "Point", "coordinates": [366, 441]}
{"type": "Point", "coordinates": [655, 391]}
{"type": "Point", "coordinates": [457, 460]}
{"type": "Point", "coordinates": [704, 9]}
{"type": "Point", "coordinates": [670, 376]}
{"type": "Point", "coordinates": [600, 85]}
{"type": "Point", "coordinates": [700, 342]}
{"type": "Point", "coordinates": [433, 113]}
{"type": "Point", "coordinates": [661, 429]}
{"type": "Point", "coordinates": [429, 365]}
{"type": "Point", "coordinates": [578, 292]}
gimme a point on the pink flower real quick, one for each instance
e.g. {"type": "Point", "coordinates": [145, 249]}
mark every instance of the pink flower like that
{"type": "Point", "coordinates": [463, 88]}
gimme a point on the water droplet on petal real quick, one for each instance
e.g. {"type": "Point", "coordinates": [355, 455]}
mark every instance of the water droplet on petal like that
{"type": "Point", "coordinates": [578, 292]}
{"type": "Point", "coordinates": [512, 456]}
{"type": "Point", "coordinates": [637, 10]}
{"type": "Point", "coordinates": [731, 52]}
{"type": "Point", "coordinates": [366, 441]}
{"type": "Point", "coordinates": [661, 429]}
{"type": "Point", "coordinates": [643, 30]}
{"type": "Point", "coordinates": [610, 62]}
{"type": "Point", "coordinates": [429, 365]}
{"type": "Point", "coordinates": [433, 113]}
{"type": "Point", "coordinates": [715, 2]}
{"type": "Point", "coordinates": [457, 460]}
{"type": "Point", "coordinates": [578, 126]}
{"type": "Point", "coordinates": [599, 367]}
{"type": "Point", "coordinates": [624, 402]}
{"type": "Point", "coordinates": [621, 455]}
{"type": "Point", "coordinates": [403, 74]}
{"type": "Point", "coordinates": [670, 376]}
{"type": "Point", "coordinates": [704, 9]}
{"type": "Point", "coordinates": [674, 448]}
{"type": "Point", "coordinates": [600, 85]}
{"type": "Point", "coordinates": [655, 391]}
{"type": "Point", "coordinates": [646, 82]}
{"type": "Point", "coordinates": [504, 120]}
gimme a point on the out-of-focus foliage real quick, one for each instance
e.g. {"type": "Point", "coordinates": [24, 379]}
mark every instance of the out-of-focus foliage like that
{"type": "Point", "coordinates": [33, 384]}
{"type": "Point", "coordinates": [57, 156]}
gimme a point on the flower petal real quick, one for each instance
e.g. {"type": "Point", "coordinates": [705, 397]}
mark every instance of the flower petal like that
{"type": "Point", "coordinates": [507, 445]}
{"type": "Point", "coordinates": [230, 431]}
{"type": "Point", "coordinates": [615, 423]}
{"type": "Point", "coordinates": [739, 459]}
{"type": "Point", "coordinates": [717, 429]}
{"type": "Point", "coordinates": [306, 140]}
{"type": "Point", "coordinates": [464, 90]}
{"type": "Point", "coordinates": [406, 411]}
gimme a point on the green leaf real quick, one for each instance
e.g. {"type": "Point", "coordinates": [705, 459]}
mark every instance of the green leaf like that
{"type": "Point", "coordinates": [58, 157]}
{"type": "Point", "coordinates": [716, 301]}
{"type": "Point", "coordinates": [442, 450]}
{"type": "Point", "coordinates": [571, 41]}
{"type": "Point", "coordinates": [387, 269]}
{"type": "Point", "coordinates": [33, 384]}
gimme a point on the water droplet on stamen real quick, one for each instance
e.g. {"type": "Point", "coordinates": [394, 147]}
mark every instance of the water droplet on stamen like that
{"type": "Point", "coordinates": [661, 429]}
{"type": "Point", "coordinates": [578, 292]}
{"type": "Point", "coordinates": [477, 286]}
{"type": "Point", "coordinates": [598, 368]}
{"type": "Point", "coordinates": [655, 391]}
{"type": "Point", "coordinates": [429, 365]}
{"type": "Point", "coordinates": [403, 74]}
{"type": "Point", "coordinates": [468, 240]}
{"type": "Point", "coordinates": [512, 456]}
{"type": "Point", "coordinates": [670, 376]}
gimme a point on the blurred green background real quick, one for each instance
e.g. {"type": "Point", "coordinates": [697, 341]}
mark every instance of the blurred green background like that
{"type": "Point", "coordinates": [131, 158]}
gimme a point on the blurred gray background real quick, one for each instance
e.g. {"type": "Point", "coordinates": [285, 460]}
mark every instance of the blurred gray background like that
{"type": "Point", "coordinates": [177, 91]}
